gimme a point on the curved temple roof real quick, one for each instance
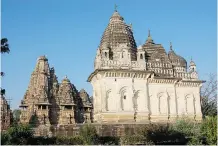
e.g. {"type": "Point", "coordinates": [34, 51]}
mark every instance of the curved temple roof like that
{"type": "Point", "coordinates": [118, 32]}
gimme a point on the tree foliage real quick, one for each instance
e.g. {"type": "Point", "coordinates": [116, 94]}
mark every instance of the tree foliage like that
{"type": "Point", "coordinates": [4, 49]}
{"type": "Point", "coordinates": [89, 134]}
{"type": "Point", "coordinates": [4, 46]}
{"type": "Point", "coordinates": [209, 97]}
{"type": "Point", "coordinates": [183, 132]}
{"type": "Point", "coordinates": [17, 135]}
{"type": "Point", "coordinates": [16, 116]}
{"type": "Point", "coordinates": [209, 130]}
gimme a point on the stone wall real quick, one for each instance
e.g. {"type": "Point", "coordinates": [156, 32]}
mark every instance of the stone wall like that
{"type": "Point", "coordinates": [102, 129]}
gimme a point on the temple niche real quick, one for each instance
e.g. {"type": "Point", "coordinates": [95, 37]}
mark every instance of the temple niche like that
{"type": "Point", "coordinates": [48, 102]}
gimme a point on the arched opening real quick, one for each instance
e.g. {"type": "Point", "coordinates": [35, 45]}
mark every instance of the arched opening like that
{"type": "Point", "coordinates": [162, 104]}
{"type": "Point", "coordinates": [125, 100]}
{"type": "Point", "coordinates": [189, 104]}
{"type": "Point", "coordinates": [122, 54]}
{"type": "Point", "coordinates": [141, 56]}
{"type": "Point", "coordinates": [110, 106]}
{"type": "Point", "coordinates": [105, 54]}
{"type": "Point", "coordinates": [139, 101]}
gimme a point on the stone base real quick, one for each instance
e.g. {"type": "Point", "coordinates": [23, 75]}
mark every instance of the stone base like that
{"type": "Point", "coordinates": [142, 117]}
{"type": "Point", "coordinates": [116, 117]}
{"type": "Point", "coordinates": [159, 118]}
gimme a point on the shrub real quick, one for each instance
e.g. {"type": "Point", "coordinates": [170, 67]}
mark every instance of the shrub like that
{"type": "Point", "coordinates": [76, 140]}
{"type": "Point", "coordinates": [19, 134]}
{"type": "Point", "coordinates": [40, 140]}
{"type": "Point", "coordinates": [89, 134]}
{"type": "Point", "coordinates": [5, 138]}
{"type": "Point", "coordinates": [162, 134]}
{"type": "Point", "coordinates": [190, 130]}
{"type": "Point", "coordinates": [134, 140]}
{"type": "Point", "coordinates": [108, 140]}
{"type": "Point", "coordinates": [209, 130]}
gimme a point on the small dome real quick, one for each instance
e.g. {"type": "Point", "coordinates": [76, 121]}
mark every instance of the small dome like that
{"type": "Point", "coordinates": [192, 63]}
{"type": "Point", "coordinates": [176, 59]}
{"type": "Point", "coordinates": [116, 33]}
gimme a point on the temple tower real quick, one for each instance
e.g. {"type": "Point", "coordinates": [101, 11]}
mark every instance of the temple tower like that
{"type": "Point", "coordinates": [66, 103]}
{"type": "Point", "coordinates": [35, 104]}
{"type": "Point", "coordinates": [86, 107]}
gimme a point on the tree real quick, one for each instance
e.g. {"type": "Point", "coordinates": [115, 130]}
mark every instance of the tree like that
{"type": "Point", "coordinates": [89, 134]}
{"type": "Point", "coordinates": [209, 97]}
{"type": "Point", "coordinates": [209, 130]}
{"type": "Point", "coordinates": [16, 116]}
{"type": "Point", "coordinates": [4, 49]}
{"type": "Point", "coordinates": [4, 46]}
{"type": "Point", "coordinates": [17, 135]}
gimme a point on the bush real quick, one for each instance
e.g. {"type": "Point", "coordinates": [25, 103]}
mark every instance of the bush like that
{"type": "Point", "coordinates": [5, 138]}
{"type": "Point", "coordinates": [108, 140]}
{"type": "Point", "coordinates": [40, 140]}
{"type": "Point", "coordinates": [89, 134]}
{"type": "Point", "coordinates": [162, 134]}
{"type": "Point", "coordinates": [18, 135]}
{"type": "Point", "coordinates": [190, 130]}
{"type": "Point", "coordinates": [76, 140]}
{"type": "Point", "coordinates": [134, 140]}
{"type": "Point", "coordinates": [209, 130]}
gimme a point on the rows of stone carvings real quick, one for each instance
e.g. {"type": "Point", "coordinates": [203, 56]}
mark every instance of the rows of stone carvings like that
{"type": "Point", "coordinates": [48, 102]}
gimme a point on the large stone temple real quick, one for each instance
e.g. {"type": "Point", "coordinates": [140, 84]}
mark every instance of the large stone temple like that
{"type": "Point", "coordinates": [130, 85]}
{"type": "Point", "coordinates": [141, 84]}
{"type": "Point", "coordinates": [47, 102]}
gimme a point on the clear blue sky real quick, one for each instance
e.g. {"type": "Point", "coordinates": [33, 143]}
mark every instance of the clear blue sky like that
{"type": "Point", "coordinates": [69, 32]}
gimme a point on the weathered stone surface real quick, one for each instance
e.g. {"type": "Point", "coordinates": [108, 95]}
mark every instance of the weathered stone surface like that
{"type": "Point", "coordinates": [6, 114]}
{"type": "Point", "coordinates": [47, 102]}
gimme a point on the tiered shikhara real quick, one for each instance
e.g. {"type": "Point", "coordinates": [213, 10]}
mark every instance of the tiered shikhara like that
{"type": "Point", "coordinates": [47, 102]}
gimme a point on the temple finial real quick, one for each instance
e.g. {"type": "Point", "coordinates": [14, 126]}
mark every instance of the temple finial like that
{"type": "Point", "coordinates": [149, 34]}
{"type": "Point", "coordinates": [65, 77]}
{"type": "Point", "coordinates": [115, 8]}
{"type": "Point", "coordinates": [130, 25]}
{"type": "Point", "coordinates": [171, 47]}
{"type": "Point", "coordinates": [191, 58]}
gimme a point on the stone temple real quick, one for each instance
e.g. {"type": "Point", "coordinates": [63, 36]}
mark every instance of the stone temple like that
{"type": "Point", "coordinates": [130, 85]}
{"type": "Point", "coordinates": [47, 102]}
{"type": "Point", "coordinates": [141, 84]}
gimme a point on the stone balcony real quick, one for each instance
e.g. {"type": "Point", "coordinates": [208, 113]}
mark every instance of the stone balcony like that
{"type": "Point", "coordinates": [111, 64]}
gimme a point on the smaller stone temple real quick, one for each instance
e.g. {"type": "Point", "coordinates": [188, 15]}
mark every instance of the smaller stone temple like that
{"type": "Point", "coordinates": [86, 107]}
{"type": "Point", "coordinates": [6, 114]}
{"type": "Point", "coordinates": [48, 102]}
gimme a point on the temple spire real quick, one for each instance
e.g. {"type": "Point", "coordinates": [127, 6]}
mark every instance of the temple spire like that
{"type": "Point", "coordinates": [171, 47]}
{"type": "Point", "coordinates": [149, 39]}
{"type": "Point", "coordinates": [115, 8]}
